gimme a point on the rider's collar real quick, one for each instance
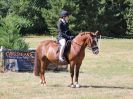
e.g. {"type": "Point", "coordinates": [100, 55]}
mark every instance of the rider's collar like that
{"type": "Point", "coordinates": [63, 20]}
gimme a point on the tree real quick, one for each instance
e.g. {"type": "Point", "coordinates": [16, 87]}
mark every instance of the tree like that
{"type": "Point", "coordinates": [110, 17]}
{"type": "Point", "coordinates": [29, 10]}
{"type": "Point", "coordinates": [87, 15]}
{"type": "Point", "coordinates": [32, 12]}
{"type": "Point", "coordinates": [129, 18]}
{"type": "Point", "coordinates": [52, 14]}
{"type": "Point", "coordinates": [10, 36]}
{"type": "Point", "coordinates": [114, 22]}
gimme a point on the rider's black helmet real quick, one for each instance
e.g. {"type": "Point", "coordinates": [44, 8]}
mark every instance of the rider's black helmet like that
{"type": "Point", "coordinates": [64, 13]}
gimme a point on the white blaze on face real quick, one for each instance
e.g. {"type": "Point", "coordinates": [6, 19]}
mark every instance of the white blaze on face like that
{"type": "Point", "coordinates": [95, 48]}
{"type": "Point", "coordinates": [96, 41]}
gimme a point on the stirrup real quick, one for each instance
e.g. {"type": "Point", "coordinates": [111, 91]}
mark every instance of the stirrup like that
{"type": "Point", "coordinates": [62, 59]}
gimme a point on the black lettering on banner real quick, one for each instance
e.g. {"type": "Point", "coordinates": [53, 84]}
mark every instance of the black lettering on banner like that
{"type": "Point", "coordinates": [23, 60]}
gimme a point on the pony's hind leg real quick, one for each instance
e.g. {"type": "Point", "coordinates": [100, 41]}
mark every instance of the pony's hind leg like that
{"type": "Point", "coordinates": [42, 72]}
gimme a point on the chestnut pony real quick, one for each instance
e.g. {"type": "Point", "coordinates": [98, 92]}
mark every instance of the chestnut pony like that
{"type": "Point", "coordinates": [48, 52]}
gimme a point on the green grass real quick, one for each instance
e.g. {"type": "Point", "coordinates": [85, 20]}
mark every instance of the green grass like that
{"type": "Point", "coordinates": [115, 58]}
{"type": "Point", "coordinates": [108, 75]}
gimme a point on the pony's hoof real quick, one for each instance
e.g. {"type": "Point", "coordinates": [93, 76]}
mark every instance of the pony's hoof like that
{"type": "Point", "coordinates": [43, 83]}
{"type": "Point", "coordinates": [72, 86]}
{"type": "Point", "coordinates": [77, 86]}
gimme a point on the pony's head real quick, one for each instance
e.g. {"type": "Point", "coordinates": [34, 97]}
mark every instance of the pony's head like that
{"type": "Point", "coordinates": [88, 39]}
{"type": "Point", "coordinates": [92, 42]}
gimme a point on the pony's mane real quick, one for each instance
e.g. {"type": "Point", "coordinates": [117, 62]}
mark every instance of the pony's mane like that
{"type": "Point", "coordinates": [85, 33]}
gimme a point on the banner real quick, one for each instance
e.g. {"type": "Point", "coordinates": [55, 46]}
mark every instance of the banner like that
{"type": "Point", "coordinates": [19, 60]}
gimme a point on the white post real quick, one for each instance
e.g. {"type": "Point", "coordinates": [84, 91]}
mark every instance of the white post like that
{"type": "Point", "coordinates": [1, 48]}
{"type": "Point", "coordinates": [1, 57]}
{"type": "Point", "coordinates": [99, 44]}
{"type": "Point", "coordinates": [52, 38]}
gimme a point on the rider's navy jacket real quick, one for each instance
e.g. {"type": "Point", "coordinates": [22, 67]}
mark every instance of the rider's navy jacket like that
{"type": "Point", "coordinates": [63, 30]}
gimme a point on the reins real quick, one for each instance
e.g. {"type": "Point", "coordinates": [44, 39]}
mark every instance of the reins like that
{"type": "Point", "coordinates": [76, 43]}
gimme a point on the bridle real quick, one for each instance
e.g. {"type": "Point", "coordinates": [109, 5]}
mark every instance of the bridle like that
{"type": "Point", "coordinates": [81, 45]}
{"type": "Point", "coordinates": [89, 47]}
{"type": "Point", "coordinates": [92, 48]}
{"type": "Point", "coordinates": [77, 43]}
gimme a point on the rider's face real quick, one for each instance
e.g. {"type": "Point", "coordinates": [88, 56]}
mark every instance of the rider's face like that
{"type": "Point", "coordinates": [66, 18]}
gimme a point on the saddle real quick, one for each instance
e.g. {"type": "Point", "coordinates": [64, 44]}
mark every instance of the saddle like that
{"type": "Point", "coordinates": [66, 50]}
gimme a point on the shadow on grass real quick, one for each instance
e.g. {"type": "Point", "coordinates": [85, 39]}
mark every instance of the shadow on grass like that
{"type": "Point", "coordinates": [94, 86]}
{"type": "Point", "coordinates": [111, 87]}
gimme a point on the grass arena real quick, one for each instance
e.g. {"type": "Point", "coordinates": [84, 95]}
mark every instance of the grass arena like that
{"type": "Point", "coordinates": [108, 75]}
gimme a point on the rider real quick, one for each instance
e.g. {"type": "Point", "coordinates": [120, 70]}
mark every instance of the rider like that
{"type": "Point", "coordinates": [63, 33]}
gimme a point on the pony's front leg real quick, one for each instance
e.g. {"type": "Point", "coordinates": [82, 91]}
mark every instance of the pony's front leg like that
{"type": "Point", "coordinates": [72, 75]}
{"type": "Point", "coordinates": [77, 85]}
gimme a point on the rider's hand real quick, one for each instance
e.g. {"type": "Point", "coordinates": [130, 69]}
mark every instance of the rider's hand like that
{"type": "Point", "coordinates": [71, 37]}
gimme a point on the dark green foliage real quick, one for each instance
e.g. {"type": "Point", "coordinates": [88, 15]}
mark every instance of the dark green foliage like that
{"type": "Point", "coordinates": [129, 19]}
{"type": "Point", "coordinates": [34, 15]}
{"type": "Point", "coordinates": [111, 17]}
{"type": "Point", "coordinates": [29, 10]}
{"type": "Point", "coordinates": [87, 15]}
{"type": "Point", "coordinates": [115, 24]}
{"type": "Point", "coordinates": [52, 13]}
{"type": "Point", "coordinates": [10, 36]}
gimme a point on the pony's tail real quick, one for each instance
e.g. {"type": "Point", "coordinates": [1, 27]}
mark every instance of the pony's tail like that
{"type": "Point", "coordinates": [36, 65]}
